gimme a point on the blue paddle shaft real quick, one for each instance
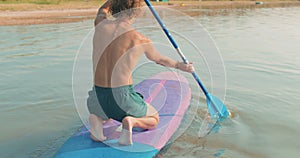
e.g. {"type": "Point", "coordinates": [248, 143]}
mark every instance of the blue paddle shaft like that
{"type": "Point", "coordinates": [161, 24]}
{"type": "Point", "coordinates": [196, 77]}
{"type": "Point", "coordinates": [215, 106]}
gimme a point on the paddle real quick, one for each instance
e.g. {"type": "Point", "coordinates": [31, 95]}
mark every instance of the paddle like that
{"type": "Point", "coordinates": [216, 108]}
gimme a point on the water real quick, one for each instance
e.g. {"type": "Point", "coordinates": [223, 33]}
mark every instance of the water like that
{"type": "Point", "coordinates": [260, 51]}
{"type": "Point", "coordinates": [36, 97]}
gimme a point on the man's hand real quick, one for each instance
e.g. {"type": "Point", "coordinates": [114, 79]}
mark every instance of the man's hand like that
{"type": "Point", "coordinates": [185, 67]}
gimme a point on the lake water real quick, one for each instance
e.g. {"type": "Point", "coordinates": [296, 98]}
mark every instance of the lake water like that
{"type": "Point", "coordinates": [260, 50]}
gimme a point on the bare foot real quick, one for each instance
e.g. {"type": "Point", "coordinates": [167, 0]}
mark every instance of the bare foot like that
{"type": "Point", "coordinates": [125, 138]}
{"type": "Point", "coordinates": [97, 139]}
{"type": "Point", "coordinates": [96, 130]}
{"type": "Point", "coordinates": [126, 134]}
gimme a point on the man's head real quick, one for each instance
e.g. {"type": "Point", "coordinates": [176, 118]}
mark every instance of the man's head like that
{"type": "Point", "coordinates": [127, 7]}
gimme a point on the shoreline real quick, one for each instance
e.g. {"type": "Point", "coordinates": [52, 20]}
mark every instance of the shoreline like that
{"type": "Point", "coordinates": [32, 14]}
{"type": "Point", "coordinates": [12, 18]}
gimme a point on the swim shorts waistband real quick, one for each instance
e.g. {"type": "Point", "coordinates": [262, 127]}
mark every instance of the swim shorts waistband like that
{"type": "Point", "coordinates": [126, 88]}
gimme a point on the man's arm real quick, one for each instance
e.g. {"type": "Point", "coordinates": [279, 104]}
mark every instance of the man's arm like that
{"type": "Point", "coordinates": [155, 56]}
{"type": "Point", "coordinates": [103, 12]}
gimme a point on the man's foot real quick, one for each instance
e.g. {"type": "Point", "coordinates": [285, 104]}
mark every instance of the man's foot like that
{"type": "Point", "coordinates": [98, 139]}
{"type": "Point", "coordinates": [125, 137]}
{"type": "Point", "coordinates": [126, 134]}
{"type": "Point", "coordinates": [96, 130]}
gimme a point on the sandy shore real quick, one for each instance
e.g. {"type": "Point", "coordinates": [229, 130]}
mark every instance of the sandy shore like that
{"type": "Point", "coordinates": [29, 14]}
{"type": "Point", "coordinates": [8, 18]}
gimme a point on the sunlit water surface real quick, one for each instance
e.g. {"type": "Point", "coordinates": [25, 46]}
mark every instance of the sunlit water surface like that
{"type": "Point", "coordinates": [260, 49]}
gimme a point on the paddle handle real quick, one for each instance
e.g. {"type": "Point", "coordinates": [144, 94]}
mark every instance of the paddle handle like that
{"type": "Point", "coordinates": [196, 77]}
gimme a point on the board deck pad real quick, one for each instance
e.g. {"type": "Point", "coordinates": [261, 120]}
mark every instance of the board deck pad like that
{"type": "Point", "coordinates": [168, 92]}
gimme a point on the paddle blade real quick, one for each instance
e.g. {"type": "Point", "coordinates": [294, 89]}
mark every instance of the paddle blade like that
{"type": "Point", "coordinates": [208, 125]}
{"type": "Point", "coordinates": [217, 113]}
{"type": "Point", "coordinates": [216, 108]}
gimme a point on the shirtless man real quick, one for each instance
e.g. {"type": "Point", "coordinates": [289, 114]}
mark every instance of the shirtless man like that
{"type": "Point", "coordinates": [117, 48]}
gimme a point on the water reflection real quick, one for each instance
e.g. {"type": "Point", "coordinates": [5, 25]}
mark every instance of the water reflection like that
{"type": "Point", "coordinates": [261, 52]}
{"type": "Point", "coordinates": [227, 8]}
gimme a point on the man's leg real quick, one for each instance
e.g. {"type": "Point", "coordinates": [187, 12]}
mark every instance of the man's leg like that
{"type": "Point", "coordinates": [96, 128]}
{"type": "Point", "coordinates": [147, 122]}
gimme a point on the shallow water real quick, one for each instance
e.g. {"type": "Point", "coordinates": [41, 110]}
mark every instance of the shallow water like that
{"type": "Point", "coordinates": [260, 49]}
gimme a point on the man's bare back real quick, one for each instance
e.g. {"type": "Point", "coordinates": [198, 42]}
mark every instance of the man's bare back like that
{"type": "Point", "coordinates": [117, 49]}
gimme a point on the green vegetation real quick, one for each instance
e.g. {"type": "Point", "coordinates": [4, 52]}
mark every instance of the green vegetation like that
{"type": "Point", "coordinates": [27, 5]}
{"type": "Point", "coordinates": [44, 1]}
{"type": "Point", "coordinates": [30, 1]}
{"type": "Point", "coordinates": [68, 1]}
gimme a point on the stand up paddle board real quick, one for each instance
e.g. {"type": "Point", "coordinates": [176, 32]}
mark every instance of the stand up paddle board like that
{"type": "Point", "coordinates": [168, 92]}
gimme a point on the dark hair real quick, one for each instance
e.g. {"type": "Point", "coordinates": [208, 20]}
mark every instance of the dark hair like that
{"type": "Point", "coordinates": [129, 7]}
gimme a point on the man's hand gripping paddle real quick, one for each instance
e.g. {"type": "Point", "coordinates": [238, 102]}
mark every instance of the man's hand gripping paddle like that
{"type": "Point", "coordinates": [217, 110]}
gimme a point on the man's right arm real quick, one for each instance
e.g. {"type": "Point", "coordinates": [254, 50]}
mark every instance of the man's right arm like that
{"type": "Point", "coordinates": [153, 55]}
{"type": "Point", "coordinates": [103, 12]}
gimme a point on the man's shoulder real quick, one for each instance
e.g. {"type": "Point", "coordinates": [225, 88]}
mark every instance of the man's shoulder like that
{"type": "Point", "coordinates": [139, 36]}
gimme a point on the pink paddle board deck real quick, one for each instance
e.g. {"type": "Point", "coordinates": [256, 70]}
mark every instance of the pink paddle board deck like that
{"type": "Point", "coordinates": [168, 92]}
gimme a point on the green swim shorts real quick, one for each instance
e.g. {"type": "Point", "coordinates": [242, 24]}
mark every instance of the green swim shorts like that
{"type": "Point", "coordinates": [116, 103]}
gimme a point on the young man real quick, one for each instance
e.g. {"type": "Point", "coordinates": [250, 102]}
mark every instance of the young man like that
{"type": "Point", "coordinates": [117, 48]}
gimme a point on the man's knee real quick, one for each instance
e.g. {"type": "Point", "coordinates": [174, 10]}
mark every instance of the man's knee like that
{"type": "Point", "coordinates": [156, 118]}
{"type": "Point", "coordinates": [93, 116]}
{"type": "Point", "coordinates": [151, 111]}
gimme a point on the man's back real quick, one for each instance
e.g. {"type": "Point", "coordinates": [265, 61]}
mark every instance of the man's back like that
{"type": "Point", "coordinates": [117, 49]}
